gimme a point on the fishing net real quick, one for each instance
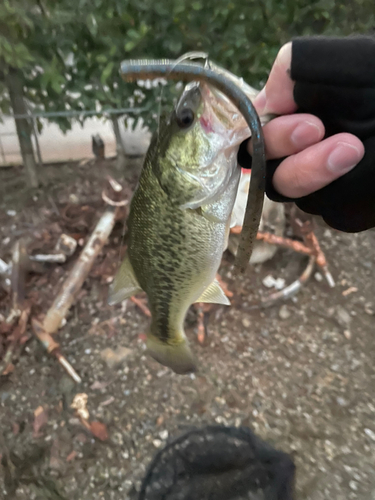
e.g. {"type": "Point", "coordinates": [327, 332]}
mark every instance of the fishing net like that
{"type": "Point", "coordinates": [219, 463]}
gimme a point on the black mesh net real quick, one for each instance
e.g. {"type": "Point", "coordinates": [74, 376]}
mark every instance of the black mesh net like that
{"type": "Point", "coordinates": [219, 463]}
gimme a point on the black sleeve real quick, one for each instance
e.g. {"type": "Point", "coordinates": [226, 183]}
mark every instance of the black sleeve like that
{"type": "Point", "coordinates": [335, 80]}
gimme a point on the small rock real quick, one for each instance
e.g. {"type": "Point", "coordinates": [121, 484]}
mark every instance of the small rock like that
{"type": "Point", "coordinates": [246, 322]}
{"type": "Point", "coordinates": [369, 309]}
{"type": "Point", "coordinates": [343, 317]}
{"type": "Point", "coordinates": [66, 244]}
{"type": "Point", "coordinates": [157, 443]}
{"type": "Point", "coordinates": [11, 213]}
{"type": "Point", "coordinates": [341, 401]}
{"type": "Point", "coordinates": [353, 485]}
{"type": "Point", "coordinates": [355, 364]}
{"type": "Point", "coordinates": [114, 358]}
{"type": "Point", "coordinates": [370, 434]}
{"type": "Point", "coordinates": [270, 282]}
{"type": "Point", "coordinates": [73, 198]}
{"type": "Point", "coordinates": [159, 420]}
{"type": "Point", "coordinates": [279, 283]}
{"type": "Point", "coordinates": [284, 312]}
{"type": "Point", "coordinates": [163, 435]}
{"type": "Point", "coordinates": [318, 277]}
{"type": "Point", "coordinates": [347, 334]}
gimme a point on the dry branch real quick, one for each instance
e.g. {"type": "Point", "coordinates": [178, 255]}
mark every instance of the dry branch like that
{"type": "Point", "coordinates": [15, 337]}
{"type": "Point", "coordinates": [78, 274]}
{"type": "Point", "coordinates": [142, 306]}
{"type": "Point", "coordinates": [53, 348]}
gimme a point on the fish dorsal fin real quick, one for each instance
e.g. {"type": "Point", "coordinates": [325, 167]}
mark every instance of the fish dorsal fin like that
{"type": "Point", "coordinates": [214, 295]}
{"type": "Point", "coordinates": [124, 285]}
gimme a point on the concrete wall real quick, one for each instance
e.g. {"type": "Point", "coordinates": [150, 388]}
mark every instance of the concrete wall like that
{"type": "Point", "coordinates": [74, 145]}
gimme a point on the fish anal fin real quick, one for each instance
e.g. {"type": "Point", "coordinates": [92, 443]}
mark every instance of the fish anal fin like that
{"type": "Point", "coordinates": [214, 294]}
{"type": "Point", "coordinates": [124, 285]}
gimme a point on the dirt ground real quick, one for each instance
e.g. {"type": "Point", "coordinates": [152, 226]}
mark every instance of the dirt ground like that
{"type": "Point", "coordinates": [300, 374]}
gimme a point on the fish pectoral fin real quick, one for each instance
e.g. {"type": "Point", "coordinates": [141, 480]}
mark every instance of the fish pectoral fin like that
{"type": "Point", "coordinates": [177, 356]}
{"type": "Point", "coordinates": [124, 285]}
{"type": "Point", "coordinates": [214, 294]}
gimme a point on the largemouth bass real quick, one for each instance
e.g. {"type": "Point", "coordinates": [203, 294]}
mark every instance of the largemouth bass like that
{"type": "Point", "coordinates": [179, 218]}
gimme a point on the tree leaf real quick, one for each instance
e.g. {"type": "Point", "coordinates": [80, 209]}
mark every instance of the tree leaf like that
{"type": "Point", "coordinates": [99, 430]}
{"type": "Point", "coordinates": [107, 72]}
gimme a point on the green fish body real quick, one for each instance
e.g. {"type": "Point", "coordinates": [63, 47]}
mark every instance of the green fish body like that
{"type": "Point", "coordinates": [179, 221]}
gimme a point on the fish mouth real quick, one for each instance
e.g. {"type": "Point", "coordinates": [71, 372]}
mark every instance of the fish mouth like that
{"type": "Point", "coordinates": [220, 115]}
{"type": "Point", "coordinates": [206, 124]}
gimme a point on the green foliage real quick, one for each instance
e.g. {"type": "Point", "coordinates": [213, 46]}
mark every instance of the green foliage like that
{"type": "Point", "coordinates": [15, 26]}
{"type": "Point", "coordinates": [70, 51]}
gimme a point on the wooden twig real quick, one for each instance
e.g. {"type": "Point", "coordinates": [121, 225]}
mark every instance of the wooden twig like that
{"type": "Point", "coordinates": [272, 239]}
{"type": "Point", "coordinates": [201, 330]}
{"type": "Point", "coordinates": [309, 247]}
{"type": "Point", "coordinates": [52, 347]}
{"type": "Point", "coordinates": [20, 266]}
{"type": "Point", "coordinates": [78, 274]}
{"type": "Point", "coordinates": [20, 261]}
{"type": "Point", "coordinates": [312, 241]}
{"type": "Point", "coordinates": [142, 306]}
{"type": "Point", "coordinates": [16, 335]}
{"type": "Point", "coordinates": [224, 286]}
{"type": "Point", "coordinates": [295, 245]}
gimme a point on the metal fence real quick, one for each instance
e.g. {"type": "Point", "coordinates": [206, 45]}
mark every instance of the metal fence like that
{"type": "Point", "coordinates": [52, 145]}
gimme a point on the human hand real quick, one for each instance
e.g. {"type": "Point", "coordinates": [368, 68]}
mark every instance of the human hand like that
{"type": "Point", "coordinates": [311, 162]}
{"type": "Point", "coordinates": [325, 122]}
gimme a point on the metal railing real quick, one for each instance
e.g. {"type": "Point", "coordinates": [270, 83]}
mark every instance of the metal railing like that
{"type": "Point", "coordinates": [7, 152]}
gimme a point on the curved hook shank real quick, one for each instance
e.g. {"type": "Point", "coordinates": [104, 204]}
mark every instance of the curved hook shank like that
{"type": "Point", "coordinates": [189, 71]}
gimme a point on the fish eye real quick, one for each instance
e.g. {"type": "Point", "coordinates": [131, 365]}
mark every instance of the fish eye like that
{"type": "Point", "coordinates": [185, 118]}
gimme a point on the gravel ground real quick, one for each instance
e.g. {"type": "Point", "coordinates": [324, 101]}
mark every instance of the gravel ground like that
{"type": "Point", "coordinates": [300, 374]}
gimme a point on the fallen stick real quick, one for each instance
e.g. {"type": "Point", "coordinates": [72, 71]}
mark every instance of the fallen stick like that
{"type": "Point", "coordinates": [17, 333]}
{"type": "Point", "coordinates": [20, 266]}
{"type": "Point", "coordinates": [80, 271]}
{"type": "Point", "coordinates": [53, 348]}
{"type": "Point", "coordinates": [58, 258]}
{"type": "Point", "coordinates": [20, 261]}
{"type": "Point", "coordinates": [141, 306]}
{"type": "Point", "coordinates": [201, 331]}
{"type": "Point", "coordinates": [272, 239]}
{"type": "Point", "coordinates": [309, 247]}
{"type": "Point", "coordinates": [224, 286]}
{"type": "Point", "coordinates": [312, 241]}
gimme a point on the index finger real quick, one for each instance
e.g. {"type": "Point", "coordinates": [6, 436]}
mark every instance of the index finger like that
{"type": "Point", "coordinates": [277, 95]}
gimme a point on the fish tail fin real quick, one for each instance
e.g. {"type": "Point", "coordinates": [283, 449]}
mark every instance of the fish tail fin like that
{"type": "Point", "coordinates": [177, 356]}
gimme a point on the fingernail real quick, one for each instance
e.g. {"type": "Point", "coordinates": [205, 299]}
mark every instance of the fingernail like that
{"type": "Point", "coordinates": [306, 134]}
{"type": "Point", "coordinates": [260, 101]}
{"type": "Point", "coordinates": [343, 158]}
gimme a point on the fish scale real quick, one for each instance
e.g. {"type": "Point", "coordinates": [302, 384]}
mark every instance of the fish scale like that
{"type": "Point", "coordinates": [168, 245]}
